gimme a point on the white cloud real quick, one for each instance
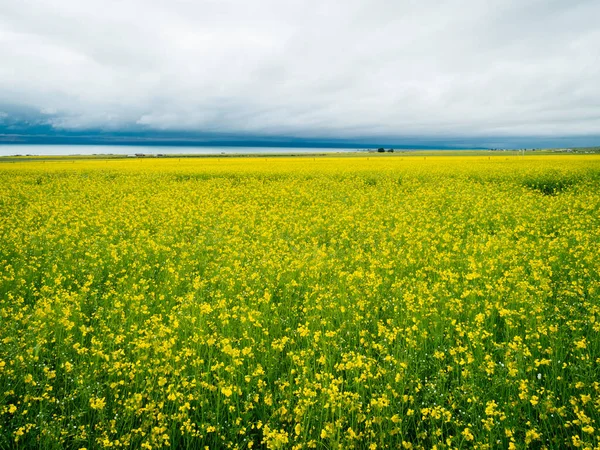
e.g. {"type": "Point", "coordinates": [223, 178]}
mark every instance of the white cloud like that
{"type": "Point", "coordinates": [307, 68]}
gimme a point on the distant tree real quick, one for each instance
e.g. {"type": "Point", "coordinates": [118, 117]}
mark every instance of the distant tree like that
{"type": "Point", "coordinates": [381, 149]}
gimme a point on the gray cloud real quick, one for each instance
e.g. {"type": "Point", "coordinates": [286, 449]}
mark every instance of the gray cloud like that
{"type": "Point", "coordinates": [306, 68]}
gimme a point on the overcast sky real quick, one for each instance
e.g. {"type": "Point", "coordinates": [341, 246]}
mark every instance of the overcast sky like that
{"type": "Point", "coordinates": [307, 68]}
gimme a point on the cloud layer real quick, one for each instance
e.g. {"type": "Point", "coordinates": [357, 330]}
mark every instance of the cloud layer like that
{"type": "Point", "coordinates": [353, 68]}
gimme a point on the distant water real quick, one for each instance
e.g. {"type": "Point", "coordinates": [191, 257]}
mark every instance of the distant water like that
{"type": "Point", "coordinates": [9, 150]}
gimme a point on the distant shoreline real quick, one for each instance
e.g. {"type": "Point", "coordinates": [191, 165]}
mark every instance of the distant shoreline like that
{"type": "Point", "coordinates": [189, 151]}
{"type": "Point", "coordinates": [336, 153]}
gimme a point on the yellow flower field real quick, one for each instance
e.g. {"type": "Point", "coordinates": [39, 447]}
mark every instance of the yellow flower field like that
{"type": "Point", "coordinates": [371, 302]}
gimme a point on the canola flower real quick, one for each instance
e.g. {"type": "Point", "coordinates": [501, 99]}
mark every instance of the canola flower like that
{"type": "Point", "coordinates": [342, 302]}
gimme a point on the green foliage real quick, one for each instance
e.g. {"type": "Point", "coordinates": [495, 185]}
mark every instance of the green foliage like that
{"type": "Point", "coordinates": [549, 184]}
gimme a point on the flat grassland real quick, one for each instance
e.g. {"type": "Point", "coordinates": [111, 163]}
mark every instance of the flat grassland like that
{"type": "Point", "coordinates": [329, 302]}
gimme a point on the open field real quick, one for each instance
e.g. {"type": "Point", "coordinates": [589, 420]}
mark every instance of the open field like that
{"type": "Point", "coordinates": [327, 302]}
